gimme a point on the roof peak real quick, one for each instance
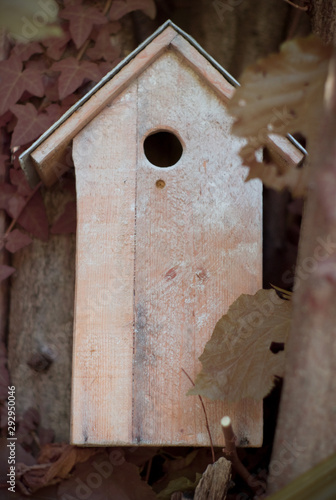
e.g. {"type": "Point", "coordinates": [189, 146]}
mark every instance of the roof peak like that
{"type": "Point", "coordinates": [25, 157]}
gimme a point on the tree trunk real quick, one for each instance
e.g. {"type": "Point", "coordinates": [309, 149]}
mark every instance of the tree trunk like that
{"type": "Point", "coordinates": [323, 16]}
{"type": "Point", "coordinates": [306, 431]}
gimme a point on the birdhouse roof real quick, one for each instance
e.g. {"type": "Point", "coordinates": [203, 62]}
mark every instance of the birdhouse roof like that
{"type": "Point", "coordinates": [47, 158]}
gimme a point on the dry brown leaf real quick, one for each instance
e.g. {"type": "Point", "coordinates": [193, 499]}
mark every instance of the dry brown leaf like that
{"type": "Point", "coordinates": [54, 464]}
{"type": "Point", "coordinates": [237, 362]}
{"type": "Point", "coordinates": [281, 94]}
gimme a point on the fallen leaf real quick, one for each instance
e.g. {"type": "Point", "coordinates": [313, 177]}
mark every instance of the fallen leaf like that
{"type": "Point", "coordinates": [182, 484]}
{"type": "Point", "coordinates": [55, 462]}
{"type": "Point", "coordinates": [120, 8]}
{"type": "Point", "coordinates": [34, 218]}
{"type": "Point", "coordinates": [66, 223]}
{"type": "Point", "coordinates": [30, 125]}
{"type": "Point", "coordinates": [237, 362]}
{"type": "Point", "coordinates": [73, 73]}
{"type": "Point", "coordinates": [281, 94]}
{"type": "Point", "coordinates": [15, 80]}
{"type": "Point", "coordinates": [17, 240]}
{"type": "Point", "coordinates": [5, 271]}
{"type": "Point", "coordinates": [103, 48]}
{"type": "Point", "coordinates": [82, 18]}
{"type": "Point", "coordinates": [117, 477]}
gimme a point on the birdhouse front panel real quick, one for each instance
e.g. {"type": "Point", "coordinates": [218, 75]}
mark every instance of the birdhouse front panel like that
{"type": "Point", "coordinates": [168, 236]}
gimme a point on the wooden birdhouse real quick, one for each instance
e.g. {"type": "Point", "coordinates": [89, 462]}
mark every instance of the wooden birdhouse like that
{"type": "Point", "coordinates": [168, 236]}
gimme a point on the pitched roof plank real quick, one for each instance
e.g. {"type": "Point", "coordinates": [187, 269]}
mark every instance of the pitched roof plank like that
{"type": "Point", "coordinates": [49, 157]}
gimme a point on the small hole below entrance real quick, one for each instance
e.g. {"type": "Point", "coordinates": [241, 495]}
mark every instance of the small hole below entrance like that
{"type": "Point", "coordinates": [163, 149]}
{"type": "Point", "coordinates": [160, 184]}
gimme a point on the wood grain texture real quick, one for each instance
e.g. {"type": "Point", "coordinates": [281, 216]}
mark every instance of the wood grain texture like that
{"type": "Point", "coordinates": [104, 155]}
{"type": "Point", "coordinates": [183, 253]}
{"type": "Point", "coordinates": [198, 246]}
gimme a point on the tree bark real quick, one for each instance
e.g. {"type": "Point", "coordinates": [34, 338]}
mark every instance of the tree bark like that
{"type": "Point", "coordinates": [306, 431]}
{"type": "Point", "coordinates": [323, 17]}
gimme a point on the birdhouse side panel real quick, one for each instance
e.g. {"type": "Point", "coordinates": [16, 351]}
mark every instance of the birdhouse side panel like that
{"type": "Point", "coordinates": [198, 247]}
{"type": "Point", "coordinates": [104, 154]}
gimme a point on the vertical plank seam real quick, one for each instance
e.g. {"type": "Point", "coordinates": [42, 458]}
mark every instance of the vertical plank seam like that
{"type": "Point", "coordinates": [133, 416]}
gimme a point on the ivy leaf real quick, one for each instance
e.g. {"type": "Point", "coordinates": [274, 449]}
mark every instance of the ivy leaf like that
{"type": "Point", "coordinates": [73, 73]}
{"type": "Point", "coordinates": [19, 180]}
{"type": "Point", "coordinates": [3, 164]}
{"type": "Point", "coordinates": [24, 51]}
{"type": "Point", "coordinates": [237, 362]}
{"type": "Point", "coordinates": [5, 118]}
{"type": "Point", "coordinates": [6, 192]}
{"type": "Point", "coordinates": [56, 46]}
{"type": "Point", "coordinates": [106, 67]}
{"type": "Point", "coordinates": [34, 218]}
{"type": "Point", "coordinates": [16, 204]}
{"type": "Point", "coordinates": [82, 19]}
{"type": "Point", "coordinates": [281, 94]}
{"type": "Point", "coordinates": [5, 271]}
{"type": "Point", "coordinates": [17, 240]}
{"type": "Point", "coordinates": [14, 82]}
{"type": "Point", "coordinates": [103, 48]}
{"type": "Point", "coordinates": [30, 124]}
{"type": "Point", "coordinates": [66, 223]}
{"type": "Point", "coordinates": [122, 7]}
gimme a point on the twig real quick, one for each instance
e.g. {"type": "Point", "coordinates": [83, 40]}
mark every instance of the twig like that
{"type": "Point", "coordinates": [14, 221]}
{"type": "Point", "coordinates": [149, 466]}
{"type": "Point", "coordinates": [300, 7]}
{"type": "Point", "coordinates": [230, 452]}
{"type": "Point", "coordinates": [206, 418]}
{"type": "Point", "coordinates": [107, 7]}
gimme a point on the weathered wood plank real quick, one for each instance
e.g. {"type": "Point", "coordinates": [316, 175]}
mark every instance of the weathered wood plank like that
{"type": "Point", "coordinates": [198, 247]}
{"type": "Point", "coordinates": [105, 158]}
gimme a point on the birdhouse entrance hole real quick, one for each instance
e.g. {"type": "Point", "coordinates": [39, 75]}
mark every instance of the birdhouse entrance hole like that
{"type": "Point", "coordinates": [163, 149]}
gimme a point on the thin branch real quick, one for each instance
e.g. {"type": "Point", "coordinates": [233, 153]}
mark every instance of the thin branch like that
{"type": "Point", "coordinates": [107, 7]}
{"type": "Point", "coordinates": [300, 7]}
{"type": "Point", "coordinates": [14, 221]}
{"type": "Point", "coordinates": [148, 470]}
{"type": "Point", "coordinates": [206, 418]}
{"type": "Point", "coordinates": [230, 452]}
